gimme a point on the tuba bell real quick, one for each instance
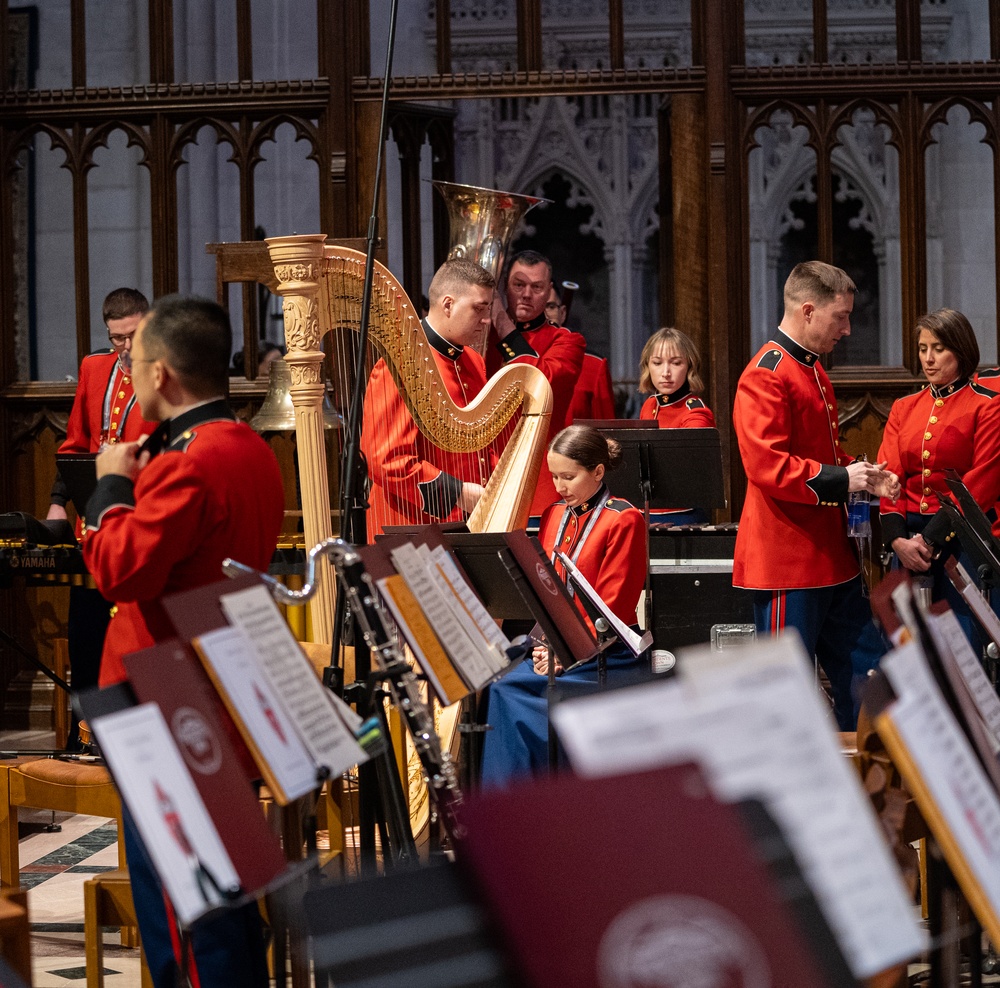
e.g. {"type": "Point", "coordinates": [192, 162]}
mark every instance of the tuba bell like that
{"type": "Point", "coordinates": [481, 223]}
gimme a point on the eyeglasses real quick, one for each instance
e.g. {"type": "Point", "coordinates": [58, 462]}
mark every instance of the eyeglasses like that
{"type": "Point", "coordinates": [118, 340]}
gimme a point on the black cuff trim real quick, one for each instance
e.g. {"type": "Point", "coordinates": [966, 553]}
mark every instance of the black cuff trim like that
{"type": "Point", "coordinates": [893, 527]}
{"type": "Point", "coordinates": [830, 484]}
{"type": "Point", "coordinates": [939, 530]}
{"type": "Point", "coordinates": [440, 495]}
{"type": "Point", "coordinates": [113, 490]}
{"type": "Point", "coordinates": [515, 345]}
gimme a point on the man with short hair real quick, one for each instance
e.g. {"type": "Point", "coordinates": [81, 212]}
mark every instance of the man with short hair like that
{"type": "Point", "coordinates": [526, 336]}
{"type": "Point", "coordinates": [162, 519]}
{"type": "Point", "coordinates": [104, 409]}
{"type": "Point", "coordinates": [104, 412]}
{"type": "Point", "coordinates": [414, 482]}
{"type": "Point", "coordinates": [792, 547]}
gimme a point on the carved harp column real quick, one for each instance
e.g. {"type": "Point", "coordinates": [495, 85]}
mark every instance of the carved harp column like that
{"type": "Point", "coordinates": [297, 266]}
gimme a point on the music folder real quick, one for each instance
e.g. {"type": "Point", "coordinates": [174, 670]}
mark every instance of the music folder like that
{"type": "Point", "coordinates": [676, 893]}
{"type": "Point", "coordinates": [170, 675]}
{"type": "Point", "coordinates": [180, 835]}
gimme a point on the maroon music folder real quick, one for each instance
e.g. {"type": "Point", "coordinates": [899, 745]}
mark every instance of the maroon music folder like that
{"type": "Point", "coordinates": [170, 675]}
{"type": "Point", "coordinates": [634, 880]}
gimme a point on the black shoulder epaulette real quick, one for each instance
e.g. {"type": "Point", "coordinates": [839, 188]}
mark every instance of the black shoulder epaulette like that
{"type": "Point", "coordinates": [617, 504]}
{"type": "Point", "coordinates": [694, 402]}
{"type": "Point", "coordinates": [984, 391]}
{"type": "Point", "coordinates": [991, 373]}
{"type": "Point", "coordinates": [771, 359]}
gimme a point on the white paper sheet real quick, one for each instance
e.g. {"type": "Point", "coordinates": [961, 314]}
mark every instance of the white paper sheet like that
{"type": "Point", "coordinates": [234, 662]}
{"type": "Point", "coordinates": [758, 728]}
{"type": "Point", "coordinates": [948, 767]}
{"type": "Point", "coordinates": [326, 724]}
{"type": "Point", "coordinates": [948, 634]}
{"type": "Point", "coordinates": [462, 639]}
{"type": "Point", "coordinates": [487, 625]}
{"type": "Point", "coordinates": [168, 811]}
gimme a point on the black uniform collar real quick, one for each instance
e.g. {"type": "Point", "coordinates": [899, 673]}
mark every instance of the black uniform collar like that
{"type": "Point", "coordinates": [795, 350]}
{"type": "Point", "coordinates": [536, 323]}
{"type": "Point", "coordinates": [601, 494]}
{"type": "Point", "coordinates": [679, 395]}
{"type": "Point", "coordinates": [447, 349]}
{"type": "Point", "coordinates": [170, 430]}
{"type": "Point", "coordinates": [949, 389]}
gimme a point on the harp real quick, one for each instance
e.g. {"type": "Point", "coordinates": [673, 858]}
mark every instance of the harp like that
{"type": "Point", "coordinates": [321, 287]}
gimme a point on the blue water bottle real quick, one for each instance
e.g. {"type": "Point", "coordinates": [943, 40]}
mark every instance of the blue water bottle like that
{"type": "Point", "coordinates": [859, 519]}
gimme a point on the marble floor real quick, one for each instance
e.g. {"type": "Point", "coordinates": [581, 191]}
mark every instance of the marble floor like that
{"type": "Point", "coordinates": [54, 866]}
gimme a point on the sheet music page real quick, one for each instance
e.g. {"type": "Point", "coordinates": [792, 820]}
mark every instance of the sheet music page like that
{"type": "Point", "coordinates": [636, 643]}
{"type": "Point", "coordinates": [490, 629]}
{"type": "Point", "coordinates": [948, 634]}
{"type": "Point", "coordinates": [171, 817]}
{"type": "Point", "coordinates": [270, 732]}
{"type": "Point", "coordinates": [417, 635]}
{"type": "Point", "coordinates": [465, 651]}
{"type": "Point", "coordinates": [760, 730]}
{"type": "Point", "coordinates": [978, 604]}
{"type": "Point", "coordinates": [482, 641]}
{"type": "Point", "coordinates": [948, 767]}
{"type": "Point", "coordinates": [325, 723]}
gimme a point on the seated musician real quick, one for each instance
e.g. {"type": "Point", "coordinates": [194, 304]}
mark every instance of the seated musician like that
{"type": "Point", "coordinates": [104, 412]}
{"type": "Point", "coordinates": [414, 482]}
{"type": "Point", "coordinates": [671, 366]}
{"type": "Point", "coordinates": [606, 539]}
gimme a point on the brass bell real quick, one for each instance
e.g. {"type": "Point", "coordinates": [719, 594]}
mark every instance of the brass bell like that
{"type": "Point", "coordinates": [277, 413]}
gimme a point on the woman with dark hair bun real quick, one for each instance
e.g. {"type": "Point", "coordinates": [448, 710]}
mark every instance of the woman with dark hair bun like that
{"type": "Point", "coordinates": [605, 537]}
{"type": "Point", "coordinates": [954, 424]}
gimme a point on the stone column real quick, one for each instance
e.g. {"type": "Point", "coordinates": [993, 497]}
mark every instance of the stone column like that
{"type": "Point", "coordinates": [297, 263]}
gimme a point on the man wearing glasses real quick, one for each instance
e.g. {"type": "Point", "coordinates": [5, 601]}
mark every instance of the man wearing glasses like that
{"type": "Point", "coordinates": [526, 335]}
{"type": "Point", "coordinates": [104, 412]}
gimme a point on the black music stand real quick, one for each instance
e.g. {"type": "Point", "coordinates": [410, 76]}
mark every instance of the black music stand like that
{"type": "Point", "coordinates": [666, 468]}
{"type": "Point", "coordinates": [973, 528]}
{"type": "Point", "coordinates": [508, 594]}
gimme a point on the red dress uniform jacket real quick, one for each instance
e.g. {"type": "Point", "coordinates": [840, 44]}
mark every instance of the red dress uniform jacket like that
{"type": "Point", "coordinates": [793, 532]}
{"type": "Point", "coordinates": [414, 482]}
{"type": "Point", "coordinates": [212, 490]}
{"type": "Point", "coordinates": [594, 396]}
{"type": "Point", "coordinates": [956, 427]}
{"type": "Point", "coordinates": [613, 557]}
{"type": "Point", "coordinates": [104, 409]}
{"type": "Point", "coordinates": [681, 410]}
{"type": "Point", "coordinates": [990, 378]}
{"type": "Point", "coordinates": [558, 354]}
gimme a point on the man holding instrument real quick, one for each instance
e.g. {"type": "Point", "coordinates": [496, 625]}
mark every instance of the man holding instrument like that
{"type": "Point", "coordinates": [414, 482]}
{"type": "Point", "coordinates": [162, 519]}
{"type": "Point", "coordinates": [792, 548]}
{"type": "Point", "coordinates": [526, 336]}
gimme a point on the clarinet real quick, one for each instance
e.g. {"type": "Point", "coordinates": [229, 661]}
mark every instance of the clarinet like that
{"type": "Point", "coordinates": [380, 636]}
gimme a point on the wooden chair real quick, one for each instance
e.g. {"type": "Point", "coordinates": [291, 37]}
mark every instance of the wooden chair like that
{"type": "Point", "coordinates": [50, 784]}
{"type": "Point", "coordinates": [107, 901]}
{"type": "Point", "coordinates": [15, 932]}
